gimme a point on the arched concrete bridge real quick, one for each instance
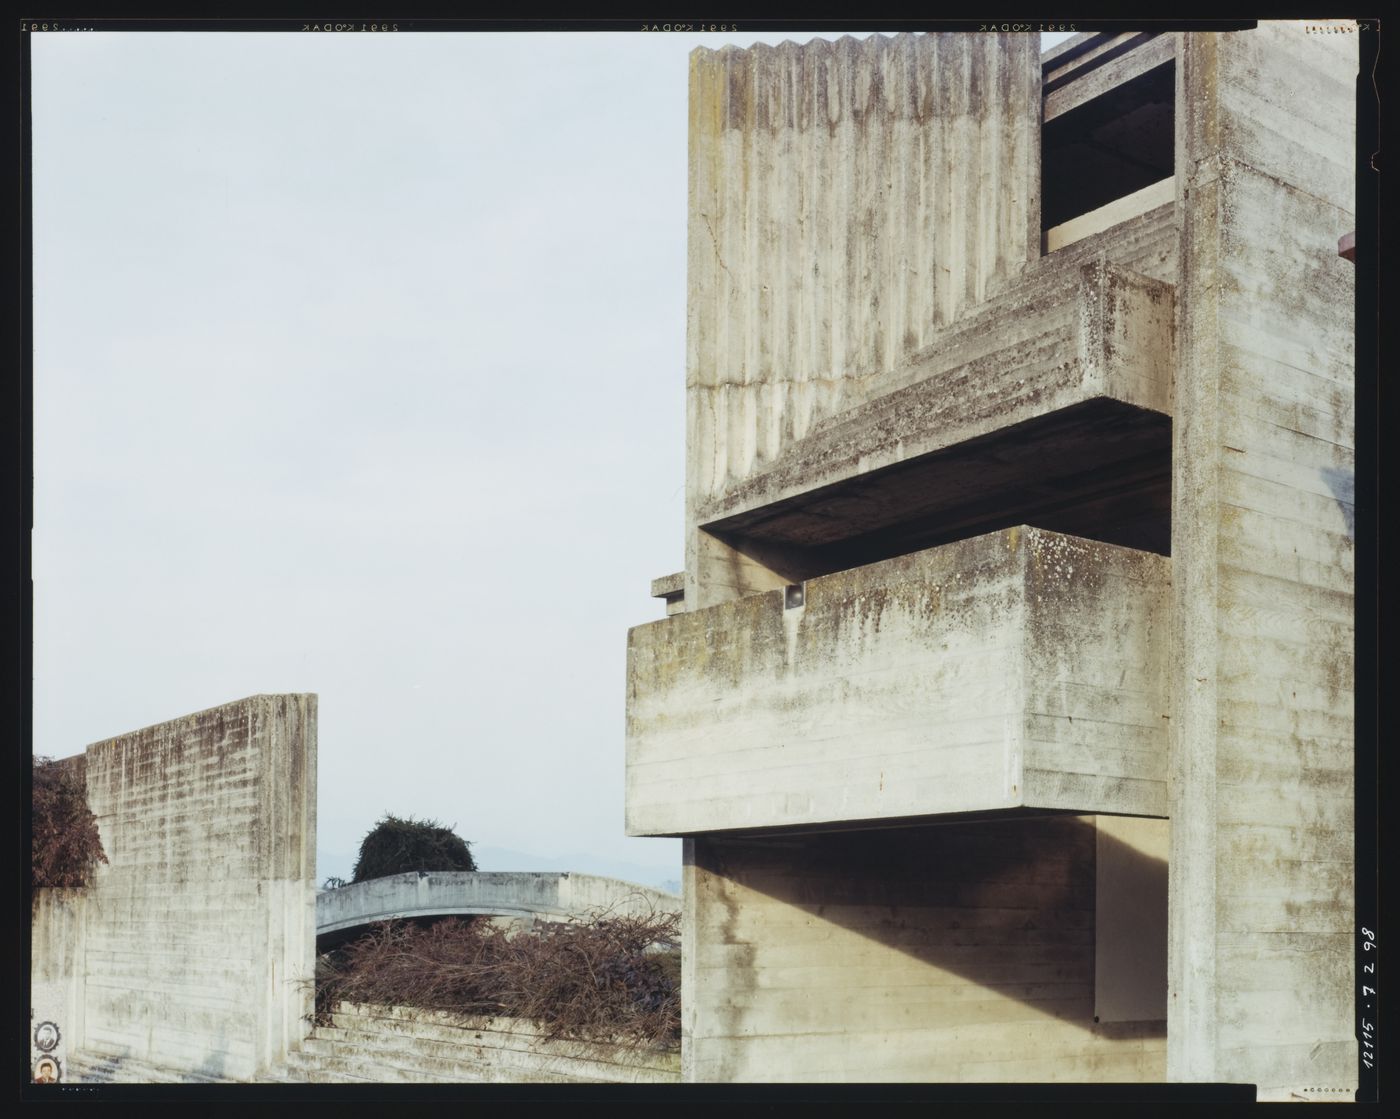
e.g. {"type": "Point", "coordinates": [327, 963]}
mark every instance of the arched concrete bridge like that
{"type": "Point", "coordinates": [526, 895]}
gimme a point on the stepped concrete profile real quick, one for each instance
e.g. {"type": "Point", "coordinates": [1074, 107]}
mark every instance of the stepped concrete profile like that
{"type": "Point", "coordinates": [1005, 701]}
{"type": "Point", "coordinates": [1005, 705]}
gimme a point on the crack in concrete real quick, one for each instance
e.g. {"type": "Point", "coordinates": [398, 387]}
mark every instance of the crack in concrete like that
{"type": "Point", "coordinates": [715, 242]}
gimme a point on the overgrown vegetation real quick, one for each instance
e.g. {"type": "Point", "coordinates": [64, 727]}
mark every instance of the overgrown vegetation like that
{"type": "Point", "coordinates": [65, 845]}
{"type": "Point", "coordinates": [398, 845]}
{"type": "Point", "coordinates": [611, 978]}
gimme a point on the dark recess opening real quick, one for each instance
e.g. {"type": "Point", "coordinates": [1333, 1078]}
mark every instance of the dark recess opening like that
{"type": "Point", "coordinates": [1100, 470]}
{"type": "Point", "coordinates": [1109, 147]}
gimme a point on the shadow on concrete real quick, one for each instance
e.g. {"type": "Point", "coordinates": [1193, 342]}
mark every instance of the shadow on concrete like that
{"type": "Point", "coordinates": [958, 897]}
{"type": "Point", "coordinates": [330, 941]}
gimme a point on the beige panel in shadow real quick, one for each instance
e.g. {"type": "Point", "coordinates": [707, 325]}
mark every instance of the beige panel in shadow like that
{"type": "Point", "coordinates": [1130, 928]}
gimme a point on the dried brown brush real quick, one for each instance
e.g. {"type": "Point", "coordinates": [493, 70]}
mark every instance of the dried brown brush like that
{"type": "Point", "coordinates": [64, 842]}
{"type": "Point", "coordinates": [609, 978]}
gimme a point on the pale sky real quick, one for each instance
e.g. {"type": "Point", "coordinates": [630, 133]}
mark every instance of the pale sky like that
{"type": "Point", "coordinates": [359, 370]}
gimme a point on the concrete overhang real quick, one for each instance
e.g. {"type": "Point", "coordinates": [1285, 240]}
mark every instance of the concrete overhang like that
{"type": "Point", "coordinates": [1049, 405]}
{"type": "Point", "coordinates": [1017, 671]}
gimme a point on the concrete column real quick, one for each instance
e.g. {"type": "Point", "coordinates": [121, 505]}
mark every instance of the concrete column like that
{"type": "Point", "coordinates": [1261, 982]}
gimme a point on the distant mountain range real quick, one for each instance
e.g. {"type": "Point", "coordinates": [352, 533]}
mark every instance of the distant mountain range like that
{"type": "Point", "coordinates": [340, 865]}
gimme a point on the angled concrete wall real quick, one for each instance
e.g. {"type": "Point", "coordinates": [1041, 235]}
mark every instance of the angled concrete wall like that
{"type": "Point", "coordinates": [197, 937]}
{"type": "Point", "coordinates": [1261, 862]}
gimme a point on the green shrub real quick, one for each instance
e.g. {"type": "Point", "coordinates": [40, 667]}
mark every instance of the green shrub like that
{"type": "Point", "coordinates": [398, 846]}
{"type": "Point", "coordinates": [65, 845]}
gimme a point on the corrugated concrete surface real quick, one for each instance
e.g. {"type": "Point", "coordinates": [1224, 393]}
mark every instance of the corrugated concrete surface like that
{"type": "Point", "coordinates": [847, 200]}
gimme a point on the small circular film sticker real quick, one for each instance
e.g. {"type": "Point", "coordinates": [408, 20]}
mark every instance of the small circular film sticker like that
{"type": "Point", "coordinates": [46, 1037]}
{"type": "Point", "coordinates": [45, 1071]}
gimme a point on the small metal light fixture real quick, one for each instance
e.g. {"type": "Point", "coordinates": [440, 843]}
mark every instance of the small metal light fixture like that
{"type": "Point", "coordinates": [794, 595]}
{"type": "Point", "coordinates": [1346, 246]}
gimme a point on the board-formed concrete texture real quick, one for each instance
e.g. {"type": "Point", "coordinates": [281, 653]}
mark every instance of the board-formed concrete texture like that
{"type": "Point", "coordinates": [192, 948]}
{"type": "Point", "coordinates": [828, 183]}
{"type": "Point", "coordinates": [528, 895]}
{"type": "Point", "coordinates": [1262, 969]}
{"type": "Point", "coordinates": [55, 989]}
{"type": "Point", "coordinates": [396, 1044]}
{"type": "Point", "coordinates": [937, 953]}
{"type": "Point", "coordinates": [941, 288]}
{"type": "Point", "coordinates": [1022, 670]}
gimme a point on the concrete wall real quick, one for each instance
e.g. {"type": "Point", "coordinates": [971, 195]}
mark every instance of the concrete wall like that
{"type": "Point", "coordinates": [196, 936]}
{"type": "Point", "coordinates": [955, 952]}
{"type": "Point", "coordinates": [1019, 669]}
{"type": "Point", "coordinates": [799, 468]}
{"type": "Point", "coordinates": [1261, 862]}
{"type": "Point", "coordinates": [846, 200]}
{"type": "Point", "coordinates": [389, 1044]}
{"type": "Point", "coordinates": [1078, 330]}
{"type": "Point", "coordinates": [57, 952]}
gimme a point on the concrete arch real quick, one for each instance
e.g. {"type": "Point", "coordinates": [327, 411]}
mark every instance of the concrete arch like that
{"type": "Point", "coordinates": [524, 895]}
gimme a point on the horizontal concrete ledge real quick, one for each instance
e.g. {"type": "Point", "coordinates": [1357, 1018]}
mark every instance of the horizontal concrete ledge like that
{"type": "Point", "coordinates": [1022, 669]}
{"type": "Point", "coordinates": [1149, 198]}
{"type": "Point", "coordinates": [1075, 333]}
{"type": "Point", "coordinates": [544, 894]}
{"type": "Point", "coordinates": [943, 819]}
{"type": "Point", "coordinates": [668, 585]}
{"type": "Point", "coordinates": [1099, 65]}
{"type": "Point", "coordinates": [1099, 469]}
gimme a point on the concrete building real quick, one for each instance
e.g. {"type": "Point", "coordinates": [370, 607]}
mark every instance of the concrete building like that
{"type": "Point", "coordinates": [1005, 703]}
{"type": "Point", "coordinates": [189, 957]}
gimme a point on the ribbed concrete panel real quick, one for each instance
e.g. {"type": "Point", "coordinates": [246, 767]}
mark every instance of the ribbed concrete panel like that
{"type": "Point", "coordinates": [847, 200]}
